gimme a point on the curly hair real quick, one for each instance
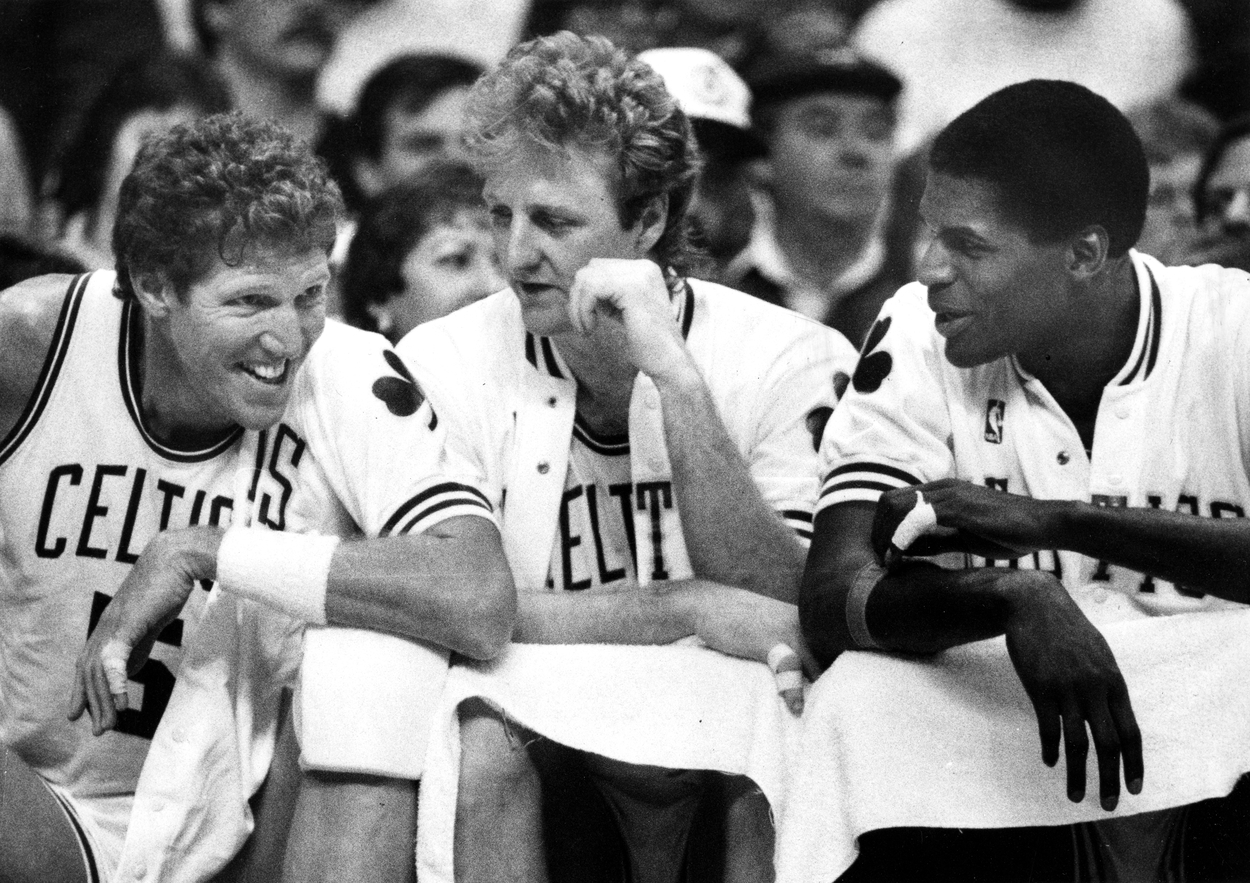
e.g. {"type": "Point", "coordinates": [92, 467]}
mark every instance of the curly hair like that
{"type": "Point", "coordinates": [566, 92]}
{"type": "Point", "coordinates": [393, 224]}
{"type": "Point", "coordinates": [209, 189]}
{"type": "Point", "coordinates": [1061, 156]}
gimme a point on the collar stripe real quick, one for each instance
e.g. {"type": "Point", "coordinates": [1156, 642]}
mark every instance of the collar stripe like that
{"type": "Point", "coordinates": [1149, 352]}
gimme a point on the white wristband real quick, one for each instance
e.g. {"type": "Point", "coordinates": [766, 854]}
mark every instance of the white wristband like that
{"type": "Point", "coordinates": [286, 571]}
{"type": "Point", "coordinates": [919, 521]}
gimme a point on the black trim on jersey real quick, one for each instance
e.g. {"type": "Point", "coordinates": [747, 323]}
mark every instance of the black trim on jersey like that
{"type": "Point", "coordinates": [879, 468]}
{"type": "Point", "coordinates": [685, 310]}
{"type": "Point", "coordinates": [51, 367]}
{"type": "Point", "coordinates": [550, 363]}
{"type": "Point", "coordinates": [448, 487]}
{"type": "Point", "coordinates": [606, 444]}
{"type": "Point", "coordinates": [129, 370]}
{"type": "Point", "coordinates": [93, 872]}
{"type": "Point", "coordinates": [1150, 344]}
{"type": "Point", "coordinates": [797, 515]}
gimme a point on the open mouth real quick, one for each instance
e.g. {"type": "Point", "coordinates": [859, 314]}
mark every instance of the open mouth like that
{"type": "Point", "coordinates": [270, 373]}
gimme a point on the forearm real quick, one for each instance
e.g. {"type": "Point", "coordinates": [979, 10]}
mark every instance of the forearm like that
{"type": "Point", "coordinates": [660, 613]}
{"type": "Point", "coordinates": [1210, 555]}
{"type": "Point", "coordinates": [732, 535]}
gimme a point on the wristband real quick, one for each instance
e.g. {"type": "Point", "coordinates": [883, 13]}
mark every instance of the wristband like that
{"type": "Point", "coordinates": [286, 571]}
{"type": "Point", "coordinates": [857, 605]}
{"type": "Point", "coordinates": [919, 521]}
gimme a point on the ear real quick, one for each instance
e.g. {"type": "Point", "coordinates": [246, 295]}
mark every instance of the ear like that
{"type": "Point", "coordinates": [650, 225]}
{"type": "Point", "coordinates": [1087, 253]}
{"type": "Point", "coordinates": [368, 175]}
{"type": "Point", "coordinates": [154, 293]}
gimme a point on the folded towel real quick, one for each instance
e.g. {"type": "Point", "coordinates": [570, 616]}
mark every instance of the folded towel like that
{"type": "Point", "coordinates": [681, 707]}
{"type": "Point", "coordinates": [952, 741]}
{"type": "Point", "coordinates": [348, 677]}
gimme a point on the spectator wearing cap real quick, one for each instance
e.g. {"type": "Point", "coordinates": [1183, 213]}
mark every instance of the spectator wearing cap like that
{"type": "Point", "coordinates": [718, 103]}
{"type": "Point", "coordinates": [819, 244]}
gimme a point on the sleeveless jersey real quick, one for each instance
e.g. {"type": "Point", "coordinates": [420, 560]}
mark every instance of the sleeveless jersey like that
{"type": "Point", "coordinates": [84, 485]}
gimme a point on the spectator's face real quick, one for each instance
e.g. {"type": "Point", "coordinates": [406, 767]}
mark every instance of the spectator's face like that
{"type": "Point", "coordinates": [994, 290]}
{"type": "Point", "coordinates": [290, 39]}
{"type": "Point", "coordinates": [831, 156]}
{"type": "Point", "coordinates": [550, 215]}
{"type": "Point", "coordinates": [1170, 223]}
{"type": "Point", "coordinates": [452, 266]}
{"type": "Point", "coordinates": [721, 209]}
{"type": "Point", "coordinates": [1227, 192]}
{"type": "Point", "coordinates": [412, 140]}
{"type": "Point", "coordinates": [238, 336]}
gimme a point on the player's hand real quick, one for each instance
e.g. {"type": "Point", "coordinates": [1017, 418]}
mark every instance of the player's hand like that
{"type": "Point", "coordinates": [742, 623]}
{"type": "Point", "coordinates": [149, 598]}
{"type": "Point", "coordinates": [629, 298]}
{"type": "Point", "coordinates": [970, 518]}
{"type": "Point", "coordinates": [1074, 682]}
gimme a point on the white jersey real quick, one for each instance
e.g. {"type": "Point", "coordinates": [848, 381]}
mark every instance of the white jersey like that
{"type": "Point", "coordinates": [512, 401]}
{"type": "Point", "coordinates": [1172, 430]}
{"type": "Point", "coordinates": [359, 451]}
{"type": "Point", "coordinates": [84, 485]}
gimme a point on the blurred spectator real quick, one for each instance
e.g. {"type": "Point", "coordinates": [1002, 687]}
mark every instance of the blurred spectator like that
{"type": "Point", "coordinates": [270, 53]}
{"type": "Point", "coordinates": [718, 103]}
{"type": "Point", "coordinates": [146, 96]}
{"type": "Point", "coordinates": [16, 199]}
{"type": "Point", "coordinates": [409, 113]}
{"type": "Point", "coordinates": [819, 243]}
{"type": "Point", "coordinates": [1222, 199]}
{"type": "Point", "coordinates": [952, 53]}
{"type": "Point", "coordinates": [22, 258]}
{"type": "Point", "coordinates": [806, 26]}
{"type": "Point", "coordinates": [1176, 134]}
{"type": "Point", "coordinates": [421, 250]}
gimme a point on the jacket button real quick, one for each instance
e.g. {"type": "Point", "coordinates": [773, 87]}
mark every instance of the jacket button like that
{"type": "Point", "coordinates": [544, 467]}
{"type": "Point", "coordinates": [1063, 458]}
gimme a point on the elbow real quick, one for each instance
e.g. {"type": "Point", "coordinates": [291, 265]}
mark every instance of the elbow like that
{"type": "Point", "coordinates": [491, 621]}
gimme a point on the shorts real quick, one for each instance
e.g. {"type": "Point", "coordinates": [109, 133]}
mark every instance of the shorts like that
{"type": "Point", "coordinates": [100, 827]}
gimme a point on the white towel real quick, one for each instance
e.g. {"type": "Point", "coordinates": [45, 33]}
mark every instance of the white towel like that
{"type": "Point", "coordinates": [682, 707]}
{"type": "Point", "coordinates": [952, 741]}
{"type": "Point", "coordinates": [349, 677]}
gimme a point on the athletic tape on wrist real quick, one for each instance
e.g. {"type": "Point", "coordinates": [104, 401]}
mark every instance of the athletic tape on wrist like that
{"type": "Point", "coordinates": [919, 521]}
{"type": "Point", "coordinates": [286, 571]}
{"type": "Point", "coordinates": [857, 603]}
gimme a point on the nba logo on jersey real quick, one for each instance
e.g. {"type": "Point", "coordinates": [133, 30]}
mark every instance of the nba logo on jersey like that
{"type": "Point", "coordinates": [994, 421]}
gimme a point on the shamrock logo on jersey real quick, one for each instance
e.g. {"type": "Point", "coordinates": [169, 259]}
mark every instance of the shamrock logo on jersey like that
{"type": "Point", "coordinates": [401, 395]}
{"type": "Point", "coordinates": [873, 367]}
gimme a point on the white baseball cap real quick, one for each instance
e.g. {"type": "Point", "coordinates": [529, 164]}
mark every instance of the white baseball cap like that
{"type": "Point", "coordinates": [703, 83]}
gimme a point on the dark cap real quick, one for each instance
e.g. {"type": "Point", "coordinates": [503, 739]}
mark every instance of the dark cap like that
{"type": "Point", "coordinates": [775, 77]}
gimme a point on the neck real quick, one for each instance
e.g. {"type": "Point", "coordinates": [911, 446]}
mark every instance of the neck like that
{"type": "Point", "coordinates": [818, 248]}
{"type": "Point", "coordinates": [292, 102]}
{"type": "Point", "coordinates": [169, 404]}
{"type": "Point", "coordinates": [605, 378]}
{"type": "Point", "coordinates": [1094, 342]}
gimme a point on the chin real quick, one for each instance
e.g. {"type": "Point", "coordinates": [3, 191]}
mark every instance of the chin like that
{"type": "Point", "coordinates": [546, 321]}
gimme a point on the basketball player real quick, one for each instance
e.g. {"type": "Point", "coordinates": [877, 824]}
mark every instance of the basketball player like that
{"type": "Point", "coordinates": [1069, 408]}
{"type": "Point", "coordinates": [125, 400]}
{"type": "Point", "coordinates": [641, 432]}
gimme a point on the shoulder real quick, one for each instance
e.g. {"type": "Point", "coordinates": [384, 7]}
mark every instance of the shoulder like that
{"type": "Point", "coordinates": [1221, 293]}
{"type": "Point", "coordinates": [734, 314]}
{"type": "Point", "coordinates": [477, 339]}
{"type": "Point", "coordinates": [29, 314]}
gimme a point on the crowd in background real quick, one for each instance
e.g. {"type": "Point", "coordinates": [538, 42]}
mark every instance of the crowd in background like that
{"type": "Point", "coordinates": [813, 116]}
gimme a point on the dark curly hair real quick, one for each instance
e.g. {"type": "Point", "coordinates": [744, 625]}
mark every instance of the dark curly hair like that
{"type": "Point", "coordinates": [393, 224]}
{"type": "Point", "coordinates": [207, 190]}
{"type": "Point", "coordinates": [1061, 156]}
{"type": "Point", "coordinates": [566, 92]}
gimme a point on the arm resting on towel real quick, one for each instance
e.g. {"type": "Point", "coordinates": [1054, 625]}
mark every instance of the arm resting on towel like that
{"type": "Point", "coordinates": [1064, 663]}
{"type": "Point", "coordinates": [450, 586]}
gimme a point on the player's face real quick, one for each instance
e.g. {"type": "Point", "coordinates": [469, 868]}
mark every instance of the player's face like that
{"type": "Point", "coordinates": [996, 292]}
{"type": "Point", "coordinates": [452, 266]}
{"type": "Point", "coordinates": [236, 340]}
{"type": "Point", "coordinates": [550, 215]}
{"type": "Point", "coordinates": [831, 155]}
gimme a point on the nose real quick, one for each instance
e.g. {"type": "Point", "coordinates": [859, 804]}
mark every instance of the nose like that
{"type": "Point", "coordinates": [935, 269]}
{"type": "Point", "coordinates": [1236, 215]}
{"type": "Point", "coordinates": [521, 249]}
{"type": "Point", "coordinates": [285, 334]}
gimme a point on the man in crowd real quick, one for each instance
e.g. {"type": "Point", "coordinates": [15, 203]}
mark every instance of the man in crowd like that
{"type": "Point", "coordinates": [124, 423]}
{"type": "Point", "coordinates": [648, 438]}
{"type": "Point", "coordinates": [1058, 405]}
{"type": "Point", "coordinates": [819, 245]}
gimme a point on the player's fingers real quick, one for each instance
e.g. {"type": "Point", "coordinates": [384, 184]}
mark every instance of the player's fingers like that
{"type": "Point", "coordinates": [1076, 751]}
{"type": "Point", "coordinates": [1048, 729]}
{"type": "Point", "coordinates": [1107, 749]}
{"type": "Point", "coordinates": [787, 670]}
{"type": "Point", "coordinates": [581, 307]}
{"type": "Point", "coordinates": [1125, 723]}
{"type": "Point", "coordinates": [77, 694]}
